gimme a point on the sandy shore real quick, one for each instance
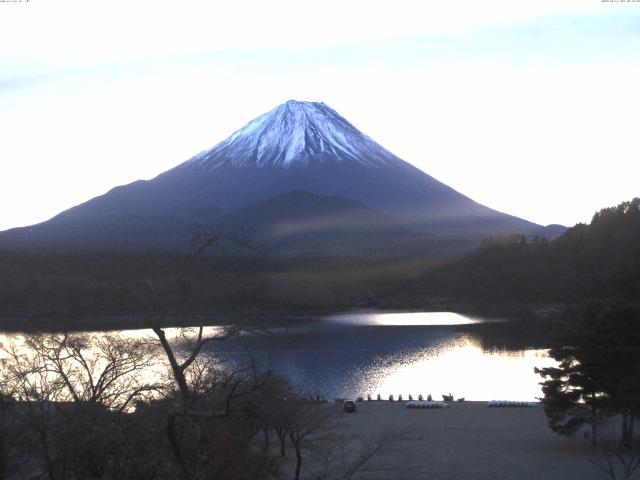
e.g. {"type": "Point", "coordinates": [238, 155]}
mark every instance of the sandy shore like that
{"type": "Point", "coordinates": [468, 441]}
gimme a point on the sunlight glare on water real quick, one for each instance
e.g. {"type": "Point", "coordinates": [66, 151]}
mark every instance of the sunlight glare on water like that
{"type": "Point", "coordinates": [460, 367]}
{"type": "Point", "coordinates": [372, 353]}
{"type": "Point", "coordinates": [398, 319]}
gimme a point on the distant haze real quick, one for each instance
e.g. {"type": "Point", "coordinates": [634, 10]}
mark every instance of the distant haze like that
{"type": "Point", "coordinates": [527, 107]}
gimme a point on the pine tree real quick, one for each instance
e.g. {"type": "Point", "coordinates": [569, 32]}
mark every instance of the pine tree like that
{"type": "Point", "coordinates": [599, 370]}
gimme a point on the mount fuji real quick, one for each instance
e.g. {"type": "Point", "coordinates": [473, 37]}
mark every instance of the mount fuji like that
{"type": "Point", "coordinates": [299, 179]}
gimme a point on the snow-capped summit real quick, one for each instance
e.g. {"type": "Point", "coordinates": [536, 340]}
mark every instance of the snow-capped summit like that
{"type": "Point", "coordinates": [296, 133]}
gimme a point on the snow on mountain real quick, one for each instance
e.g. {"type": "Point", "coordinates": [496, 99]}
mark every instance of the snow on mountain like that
{"type": "Point", "coordinates": [296, 133]}
{"type": "Point", "coordinates": [302, 147]}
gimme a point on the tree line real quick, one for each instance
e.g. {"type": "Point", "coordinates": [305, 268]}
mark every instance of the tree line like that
{"type": "Point", "coordinates": [514, 269]}
{"type": "Point", "coordinates": [596, 383]}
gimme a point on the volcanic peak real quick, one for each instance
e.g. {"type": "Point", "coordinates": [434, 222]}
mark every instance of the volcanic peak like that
{"type": "Point", "coordinates": [295, 133]}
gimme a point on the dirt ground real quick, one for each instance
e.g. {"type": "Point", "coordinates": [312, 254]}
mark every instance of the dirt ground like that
{"type": "Point", "coordinates": [468, 441]}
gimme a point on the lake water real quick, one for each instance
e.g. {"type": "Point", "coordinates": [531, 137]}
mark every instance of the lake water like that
{"type": "Point", "coordinates": [372, 353]}
{"type": "Point", "coordinates": [398, 353]}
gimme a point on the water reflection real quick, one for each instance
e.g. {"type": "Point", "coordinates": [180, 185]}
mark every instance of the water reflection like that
{"type": "Point", "coordinates": [400, 319]}
{"type": "Point", "coordinates": [392, 353]}
{"type": "Point", "coordinates": [399, 353]}
{"type": "Point", "coordinates": [461, 367]}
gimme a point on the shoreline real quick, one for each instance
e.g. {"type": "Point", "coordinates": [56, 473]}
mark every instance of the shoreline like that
{"type": "Point", "coordinates": [467, 440]}
{"type": "Point", "coordinates": [57, 323]}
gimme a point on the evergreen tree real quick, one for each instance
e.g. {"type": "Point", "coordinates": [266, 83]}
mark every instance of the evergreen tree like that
{"type": "Point", "coordinates": [573, 391]}
{"type": "Point", "coordinates": [599, 370]}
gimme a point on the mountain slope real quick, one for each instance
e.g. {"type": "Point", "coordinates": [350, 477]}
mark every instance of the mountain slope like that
{"type": "Point", "coordinates": [299, 223]}
{"type": "Point", "coordinates": [298, 146]}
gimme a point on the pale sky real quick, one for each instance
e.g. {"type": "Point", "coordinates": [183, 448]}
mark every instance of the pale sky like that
{"type": "Point", "coordinates": [529, 107]}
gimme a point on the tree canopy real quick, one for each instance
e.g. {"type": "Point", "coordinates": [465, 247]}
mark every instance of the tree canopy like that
{"type": "Point", "coordinates": [598, 352]}
{"type": "Point", "coordinates": [574, 267]}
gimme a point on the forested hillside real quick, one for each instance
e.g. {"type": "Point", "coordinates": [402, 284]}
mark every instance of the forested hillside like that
{"type": "Point", "coordinates": [513, 272]}
{"type": "Point", "coordinates": [573, 267]}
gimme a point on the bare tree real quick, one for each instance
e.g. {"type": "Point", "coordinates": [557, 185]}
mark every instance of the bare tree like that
{"type": "Point", "coordinates": [70, 390]}
{"type": "Point", "coordinates": [10, 435]}
{"type": "Point", "coordinates": [105, 370]}
{"type": "Point", "coordinates": [270, 407]}
{"type": "Point", "coordinates": [201, 396]}
{"type": "Point", "coordinates": [314, 434]}
{"type": "Point", "coordinates": [157, 304]}
{"type": "Point", "coordinates": [192, 378]}
{"type": "Point", "coordinates": [343, 457]}
{"type": "Point", "coordinates": [307, 423]}
{"type": "Point", "coordinates": [182, 358]}
{"type": "Point", "coordinates": [195, 380]}
{"type": "Point", "coordinates": [37, 393]}
{"type": "Point", "coordinates": [618, 459]}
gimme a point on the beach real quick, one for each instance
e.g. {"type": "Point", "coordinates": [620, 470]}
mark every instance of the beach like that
{"type": "Point", "coordinates": [468, 440]}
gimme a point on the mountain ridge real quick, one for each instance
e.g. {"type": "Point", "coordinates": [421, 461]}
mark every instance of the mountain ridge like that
{"type": "Point", "coordinates": [297, 146]}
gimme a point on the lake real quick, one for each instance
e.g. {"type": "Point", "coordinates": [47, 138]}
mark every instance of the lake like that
{"type": "Point", "coordinates": [414, 353]}
{"type": "Point", "coordinates": [371, 353]}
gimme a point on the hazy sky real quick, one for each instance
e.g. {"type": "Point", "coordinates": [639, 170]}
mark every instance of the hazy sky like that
{"type": "Point", "coordinates": [530, 107]}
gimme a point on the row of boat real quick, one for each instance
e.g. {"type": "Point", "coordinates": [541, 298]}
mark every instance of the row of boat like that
{"type": "Point", "coordinates": [510, 403]}
{"type": "Point", "coordinates": [424, 404]}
